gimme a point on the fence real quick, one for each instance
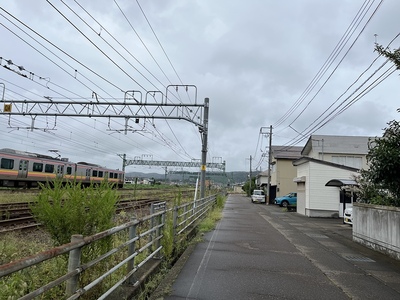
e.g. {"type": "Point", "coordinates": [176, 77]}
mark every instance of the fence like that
{"type": "Point", "coordinates": [139, 241]}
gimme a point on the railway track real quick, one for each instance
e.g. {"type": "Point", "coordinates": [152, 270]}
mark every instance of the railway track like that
{"type": "Point", "coordinates": [18, 216]}
{"type": "Point", "coordinates": [22, 218]}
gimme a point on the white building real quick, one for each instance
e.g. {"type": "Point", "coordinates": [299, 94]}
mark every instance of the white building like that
{"type": "Point", "coordinates": [325, 158]}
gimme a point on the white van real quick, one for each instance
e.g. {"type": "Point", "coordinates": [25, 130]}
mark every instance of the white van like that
{"type": "Point", "coordinates": [258, 196]}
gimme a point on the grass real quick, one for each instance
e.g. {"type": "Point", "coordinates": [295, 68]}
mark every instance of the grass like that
{"type": "Point", "coordinates": [12, 196]}
{"type": "Point", "coordinates": [17, 245]}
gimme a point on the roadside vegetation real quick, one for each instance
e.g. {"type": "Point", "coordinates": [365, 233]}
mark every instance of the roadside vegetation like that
{"type": "Point", "coordinates": [67, 210]}
{"type": "Point", "coordinates": [249, 186]}
{"type": "Point", "coordinates": [380, 184]}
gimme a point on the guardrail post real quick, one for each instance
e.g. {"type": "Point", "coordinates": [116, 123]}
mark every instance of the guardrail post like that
{"type": "Point", "coordinates": [185, 213]}
{"type": "Point", "coordinates": [131, 250]}
{"type": "Point", "coordinates": [160, 220]}
{"type": "Point", "coordinates": [74, 261]}
{"type": "Point", "coordinates": [175, 222]}
{"type": "Point", "coordinates": [153, 222]}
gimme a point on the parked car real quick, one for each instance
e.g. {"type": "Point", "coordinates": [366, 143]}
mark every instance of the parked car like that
{"type": "Point", "coordinates": [287, 200]}
{"type": "Point", "coordinates": [258, 196]}
{"type": "Point", "coordinates": [348, 216]}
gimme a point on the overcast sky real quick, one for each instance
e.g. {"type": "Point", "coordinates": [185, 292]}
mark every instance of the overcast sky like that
{"type": "Point", "coordinates": [304, 67]}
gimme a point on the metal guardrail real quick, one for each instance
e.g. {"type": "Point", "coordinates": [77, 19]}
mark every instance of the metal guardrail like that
{"type": "Point", "coordinates": [142, 237]}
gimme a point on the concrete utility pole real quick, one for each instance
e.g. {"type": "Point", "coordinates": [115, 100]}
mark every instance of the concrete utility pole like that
{"type": "Point", "coordinates": [250, 177]}
{"type": "Point", "coordinates": [269, 165]}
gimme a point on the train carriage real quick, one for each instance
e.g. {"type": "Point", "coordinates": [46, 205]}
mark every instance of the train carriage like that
{"type": "Point", "coordinates": [25, 169]}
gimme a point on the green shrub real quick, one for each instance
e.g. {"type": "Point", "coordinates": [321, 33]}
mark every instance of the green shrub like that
{"type": "Point", "coordinates": [69, 209]}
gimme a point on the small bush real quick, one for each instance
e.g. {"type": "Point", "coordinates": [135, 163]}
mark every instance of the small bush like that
{"type": "Point", "coordinates": [69, 209]}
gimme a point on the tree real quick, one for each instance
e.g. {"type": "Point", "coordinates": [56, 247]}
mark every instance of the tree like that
{"type": "Point", "coordinates": [381, 182]}
{"type": "Point", "coordinates": [394, 55]}
{"type": "Point", "coordinates": [249, 186]}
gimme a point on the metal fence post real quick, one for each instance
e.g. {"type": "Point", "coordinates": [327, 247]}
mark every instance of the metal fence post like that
{"type": "Point", "coordinates": [152, 224]}
{"type": "Point", "coordinates": [174, 222]}
{"type": "Point", "coordinates": [185, 213]}
{"type": "Point", "coordinates": [74, 261]}
{"type": "Point", "coordinates": [131, 250]}
{"type": "Point", "coordinates": [159, 232]}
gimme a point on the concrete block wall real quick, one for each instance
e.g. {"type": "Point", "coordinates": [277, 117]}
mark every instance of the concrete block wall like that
{"type": "Point", "coordinates": [377, 227]}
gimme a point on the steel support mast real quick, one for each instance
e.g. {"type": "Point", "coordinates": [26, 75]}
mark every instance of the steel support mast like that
{"type": "Point", "coordinates": [133, 107]}
{"type": "Point", "coordinates": [204, 136]}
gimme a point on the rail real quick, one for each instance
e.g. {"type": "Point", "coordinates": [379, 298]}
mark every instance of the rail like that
{"type": "Point", "coordinates": [140, 241]}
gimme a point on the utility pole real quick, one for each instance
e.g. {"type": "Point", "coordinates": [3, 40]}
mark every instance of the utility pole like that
{"type": "Point", "coordinates": [123, 161]}
{"type": "Point", "coordinates": [204, 135]}
{"type": "Point", "coordinates": [250, 178]}
{"type": "Point", "coordinates": [269, 165]}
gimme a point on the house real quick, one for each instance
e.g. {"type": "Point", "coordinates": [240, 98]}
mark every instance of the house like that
{"type": "Point", "coordinates": [283, 171]}
{"type": "Point", "coordinates": [328, 159]}
{"type": "Point", "coordinates": [262, 180]}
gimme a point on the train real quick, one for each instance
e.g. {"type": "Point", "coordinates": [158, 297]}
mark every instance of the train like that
{"type": "Point", "coordinates": [20, 169]}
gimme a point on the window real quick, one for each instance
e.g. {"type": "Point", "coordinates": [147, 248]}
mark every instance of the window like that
{"type": "Point", "coordinates": [111, 175]}
{"type": "Point", "coordinates": [7, 163]}
{"type": "Point", "coordinates": [350, 161]}
{"type": "Point", "coordinates": [37, 167]}
{"type": "Point", "coordinates": [100, 173]}
{"type": "Point", "coordinates": [69, 170]}
{"type": "Point", "coordinates": [94, 174]}
{"type": "Point", "coordinates": [115, 175]}
{"type": "Point", "coordinates": [49, 168]}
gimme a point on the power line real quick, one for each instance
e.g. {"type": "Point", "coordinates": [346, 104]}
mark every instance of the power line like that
{"type": "Point", "coordinates": [334, 54]}
{"type": "Point", "coordinates": [82, 64]}
{"type": "Point", "coordinates": [91, 42]}
{"type": "Point", "coordinates": [64, 52]}
{"type": "Point", "coordinates": [158, 40]}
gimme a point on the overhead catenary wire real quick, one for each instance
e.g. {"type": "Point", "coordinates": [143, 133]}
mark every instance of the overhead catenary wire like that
{"type": "Point", "coordinates": [164, 137]}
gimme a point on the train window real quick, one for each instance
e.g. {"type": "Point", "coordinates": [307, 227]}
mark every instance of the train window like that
{"type": "Point", "coordinates": [69, 170]}
{"type": "Point", "coordinates": [49, 168]}
{"type": "Point", "coordinates": [111, 175]}
{"type": "Point", "coordinates": [100, 173]}
{"type": "Point", "coordinates": [115, 175]}
{"type": "Point", "coordinates": [94, 174]}
{"type": "Point", "coordinates": [37, 167]}
{"type": "Point", "coordinates": [7, 163]}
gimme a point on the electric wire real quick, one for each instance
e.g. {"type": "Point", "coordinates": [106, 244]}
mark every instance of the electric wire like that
{"type": "Point", "coordinates": [58, 65]}
{"type": "Point", "coordinates": [97, 47]}
{"type": "Point", "coordinates": [334, 54]}
{"type": "Point", "coordinates": [20, 22]}
{"type": "Point", "coordinates": [159, 43]}
{"type": "Point", "coordinates": [64, 52]}
{"type": "Point", "coordinates": [334, 70]}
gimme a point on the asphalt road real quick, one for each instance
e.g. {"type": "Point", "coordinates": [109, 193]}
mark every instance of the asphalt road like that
{"type": "Point", "coordinates": [260, 251]}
